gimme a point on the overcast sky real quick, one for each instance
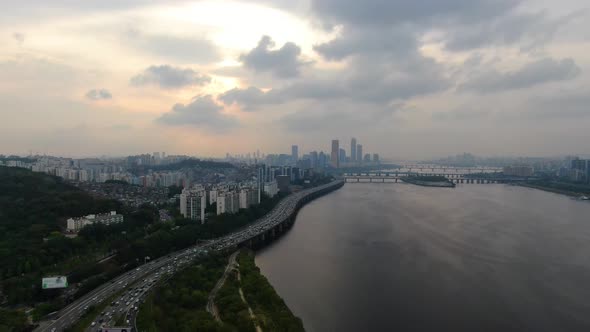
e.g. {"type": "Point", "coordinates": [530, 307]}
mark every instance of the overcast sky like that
{"type": "Point", "coordinates": [409, 79]}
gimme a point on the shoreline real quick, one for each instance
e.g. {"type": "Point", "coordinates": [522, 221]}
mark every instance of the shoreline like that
{"type": "Point", "coordinates": [552, 190]}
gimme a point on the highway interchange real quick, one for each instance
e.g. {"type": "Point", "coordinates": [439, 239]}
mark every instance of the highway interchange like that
{"type": "Point", "coordinates": [133, 285]}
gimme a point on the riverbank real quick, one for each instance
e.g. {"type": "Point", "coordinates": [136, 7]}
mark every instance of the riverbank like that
{"type": "Point", "coordinates": [553, 190]}
{"type": "Point", "coordinates": [244, 301]}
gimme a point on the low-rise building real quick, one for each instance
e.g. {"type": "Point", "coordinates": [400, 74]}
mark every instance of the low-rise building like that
{"type": "Point", "coordinates": [76, 224]}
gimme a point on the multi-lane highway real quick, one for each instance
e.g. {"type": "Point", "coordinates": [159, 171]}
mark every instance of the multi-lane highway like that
{"type": "Point", "coordinates": [138, 281]}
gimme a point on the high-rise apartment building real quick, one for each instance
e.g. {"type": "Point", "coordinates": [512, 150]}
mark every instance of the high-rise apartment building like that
{"type": "Point", "coordinates": [335, 154]}
{"type": "Point", "coordinates": [353, 149]}
{"type": "Point", "coordinates": [294, 153]}
{"type": "Point", "coordinates": [342, 156]}
{"type": "Point", "coordinates": [359, 152]}
{"type": "Point", "coordinates": [193, 203]}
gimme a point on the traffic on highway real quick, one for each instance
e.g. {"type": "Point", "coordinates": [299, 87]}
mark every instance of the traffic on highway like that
{"type": "Point", "coordinates": [130, 288]}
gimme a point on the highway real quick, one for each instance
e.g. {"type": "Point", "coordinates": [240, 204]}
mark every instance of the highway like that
{"type": "Point", "coordinates": [153, 270]}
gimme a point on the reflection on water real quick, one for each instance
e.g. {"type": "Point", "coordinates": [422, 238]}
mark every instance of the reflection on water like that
{"type": "Point", "coordinates": [382, 257]}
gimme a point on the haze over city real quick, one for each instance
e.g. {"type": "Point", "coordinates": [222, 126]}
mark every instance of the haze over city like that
{"type": "Point", "coordinates": [412, 80]}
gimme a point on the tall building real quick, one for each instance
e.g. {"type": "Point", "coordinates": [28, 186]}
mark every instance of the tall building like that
{"type": "Point", "coordinates": [294, 153]}
{"type": "Point", "coordinates": [359, 152]}
{"type": "Point", "coordinates": [228, 202]}
{"type": "Point", "coordinates": [193, 203]}
{"type": "Point", "coordinates": [322, 160]}
{"type": "Point", "coordinates": [342, 156]}
{"type": "Point", "coordinates": [375, 157]}
{"type": "Point", "coordinates": [335, 154]}
{"type": "Point", "coordinates": [353, 149]}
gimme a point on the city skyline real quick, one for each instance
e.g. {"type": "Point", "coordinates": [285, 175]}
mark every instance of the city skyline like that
{"type": "Point", "coordinates": [117, 78]}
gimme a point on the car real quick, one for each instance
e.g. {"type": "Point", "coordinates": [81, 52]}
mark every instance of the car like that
{"type": "Point", "coordinates": [93, 324]}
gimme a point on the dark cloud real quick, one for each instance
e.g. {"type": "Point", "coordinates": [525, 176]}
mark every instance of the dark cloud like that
{"type": "Point", "coordinates": [173, 48]}
{"type": "Point", "coordinates": [368, 81]}
{"type": "Point", "coordinates": [529, 30]}
{"type": "Point", "coordinates": [283, 62]}
{"type": "Point", "coordinates": [535, 73]}
{"type": "Point", "coordinates": [248, 98]}
{"type": "Point", "coordinates": [98, 94]}
{"type": "Point", "coordinates": [358, 40]}
{"type": "Point", "coordinates": [380, 12]}
{"type": "Point", "coordinates": [169, 77]}
{"type": "Point", "coordinates": [201, 112]}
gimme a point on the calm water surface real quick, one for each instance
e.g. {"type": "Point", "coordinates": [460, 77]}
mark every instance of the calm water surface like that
{"type": "Point", "coordinates": [385, 257]}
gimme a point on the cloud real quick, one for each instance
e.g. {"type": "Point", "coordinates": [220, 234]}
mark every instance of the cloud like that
{"type": "Point", "coordinates": [201, 112]}
{"type": "Point", "coordinates": [338, 117]}
{"type": "Point", "coordinates": [283, 63]}
{"type": "Point", "coordinates": [379, 12]}
{"type": "Point", "coordinates": [98, 94]}
{"type": "Point", "coordinates": [560, 106]}
{"type": "Point", "coordinates": [357, 40]}
{"type": "Point", "coordinates": [168, 77]}
{"type": "Point", "coordinates": [174, 48]}
{"type": "Point", "coordinates": [19, 37]}
{"type": "Point", "coordinates": [248, 98]}
{"type": "Point", "coordinates": [529, 30]}
{"type": "Point", "coordinates": [368, 81]}
{"type": "Point", "coordinates": [539, 72]}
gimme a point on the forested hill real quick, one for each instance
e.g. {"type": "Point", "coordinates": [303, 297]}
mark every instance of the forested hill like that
{"type": "Point", "coordinates": [31, 208]}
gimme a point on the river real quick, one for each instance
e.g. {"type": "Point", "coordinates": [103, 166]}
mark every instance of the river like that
{"type": "Point", "coordinates": [399, 257]}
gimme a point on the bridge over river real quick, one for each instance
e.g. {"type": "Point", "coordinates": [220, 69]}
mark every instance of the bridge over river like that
{"type": "Point", "coordinates": [396, 176]}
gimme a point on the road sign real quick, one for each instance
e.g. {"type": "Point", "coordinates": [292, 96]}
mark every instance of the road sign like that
{"type": "Point", "coordinates": [54, 282]}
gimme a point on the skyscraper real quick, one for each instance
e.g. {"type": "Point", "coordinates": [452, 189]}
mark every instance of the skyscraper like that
{"type": "Point", "coordinates": [314, 159]}
{"type": "Point", "coordinates": [342, 156]}
{"type": "Point", "coordinates": [294, 153]}
{"type": "Point", "coordinates": [353, 149]}
{"type": "Point", "coordinates": [334, 156]}
{"type": "Point", "coordinates": [359, 152]}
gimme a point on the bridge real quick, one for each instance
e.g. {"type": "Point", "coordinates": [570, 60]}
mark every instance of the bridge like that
{"type": "Point", "coordinates": [445, 169]}
{"type": "Point", "coordinates": [393, 177]}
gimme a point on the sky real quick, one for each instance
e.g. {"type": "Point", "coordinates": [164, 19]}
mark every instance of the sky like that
{"type": "Point", "coordinates": [409, 79]}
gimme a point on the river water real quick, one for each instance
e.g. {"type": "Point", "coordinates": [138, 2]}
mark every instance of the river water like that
{"type": "Point", "coordinates": [399, 257]}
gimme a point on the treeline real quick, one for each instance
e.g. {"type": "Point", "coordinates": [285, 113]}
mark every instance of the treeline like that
{"type": "Point", "coordinates": [33, 209]}
{"type": "Point", "coordinates": [188, 163]}
{"type": "Point", "coordinates": [272, 314]}
{"type": "Point", "coordinates": [580, 188]}
{"type": "Point", "coordinates": [179, 304]}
